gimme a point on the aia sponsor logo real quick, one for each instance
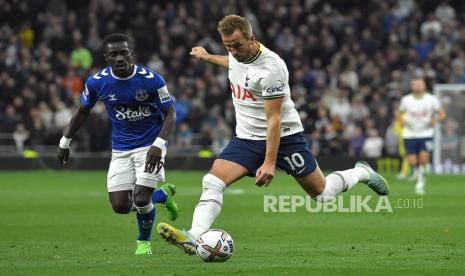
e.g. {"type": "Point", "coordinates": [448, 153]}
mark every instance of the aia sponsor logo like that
{"type": "Point", "coordinates": [127, 113]}
{"type": "Point", "coordinates": [241, 93]}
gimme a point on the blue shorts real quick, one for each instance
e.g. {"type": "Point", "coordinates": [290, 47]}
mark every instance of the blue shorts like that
{"type": "Point", "coordinates": [415, 145]}
{"type": "Point", "coordinates": [294, 155]}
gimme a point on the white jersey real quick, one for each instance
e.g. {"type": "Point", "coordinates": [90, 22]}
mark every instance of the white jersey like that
{"type": "Point", "coordinates": [264, 77]}
{"type": "Point", "coordinates": [418, 115]}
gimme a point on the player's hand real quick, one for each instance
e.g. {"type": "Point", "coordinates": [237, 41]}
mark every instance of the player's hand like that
{"type": "Point", "coordinates": [63, 156]}
{"type": "Point", "coordinates": [433, 122]}
{"type": "Point", "coordinates": [199, 52]}
{"type": "Point", "coordinates": [152, 161]}
{"type": "Point", "coordinates": [264, 175]}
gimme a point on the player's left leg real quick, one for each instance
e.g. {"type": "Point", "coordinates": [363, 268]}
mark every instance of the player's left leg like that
{"type": "Point", "coordinates": [145, 196]}
{"type": "Point", "coordinates": [145, 217]}
{"type": "Point", "coordinates": [423, 160]}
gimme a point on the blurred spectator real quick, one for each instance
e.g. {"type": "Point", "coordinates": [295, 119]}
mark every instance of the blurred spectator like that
{"type": "Point", "coordinates": [61, 116]}
{"type": "Point", "coordinates": [347, 67]}
{"type": "Point", "coordinates": [20, 136]}
{"type": "Point", "coordinates": [445, 13]}
{"type": "Point", "coordinates": [221, 136]}
{"type": "Point", "coordinates": [184, 136]}
{"type": "Point", "coordinates": [356, 142]}
{"type": "Point", "coordinates": [10, 119]}
{"type": "Point", "coordinates": [372, 145]}
{"type": "Point", "coordinates": [81, 58]}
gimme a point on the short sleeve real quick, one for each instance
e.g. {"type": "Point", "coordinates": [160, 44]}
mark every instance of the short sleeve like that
{"type": "Point", "coordinates": [88, 95]}
{"type": "Point", "coordinates": [163, 98]}
{"type": "Point", "coordinates": [273, 84]}
{"type": "Point", "coordinates": [436, 104]}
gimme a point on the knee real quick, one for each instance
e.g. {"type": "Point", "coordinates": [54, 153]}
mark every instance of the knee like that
{"type": "Point", "coordinates": [142, 195]}
{"type": "Point", "coordinates": [121, 208]}
{"type": "Point", "coordinates": [210, 181]}
{"type": "Point", "coordinates": [141, 201]}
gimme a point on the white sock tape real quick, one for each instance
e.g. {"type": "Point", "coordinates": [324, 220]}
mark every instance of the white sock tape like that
{"type": "Point", "coordinates": [64, 142]}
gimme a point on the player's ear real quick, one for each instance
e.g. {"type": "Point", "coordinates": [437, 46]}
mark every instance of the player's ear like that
{"type": "Point", "coordinates": [251, 40]}
{"type": "Point", "coordinates": [105, 54]}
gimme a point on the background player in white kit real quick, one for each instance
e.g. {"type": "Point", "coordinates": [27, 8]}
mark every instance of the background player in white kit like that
{"type": "Point", "coordinates": [269, 134]}
{"type": "Point", "coordinates": [418, 112]}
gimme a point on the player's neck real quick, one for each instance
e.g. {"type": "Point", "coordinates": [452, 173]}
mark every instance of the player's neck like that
{"type": "Point", "coordinates": [418, 95]}
{"type": "Point", "coordinates": [255, 53]}
{"type": "Point", "coordinates": [124, 74]}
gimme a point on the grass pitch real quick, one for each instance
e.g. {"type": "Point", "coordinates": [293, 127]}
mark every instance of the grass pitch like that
{"type": "Point", "coordinates": [61, 223]}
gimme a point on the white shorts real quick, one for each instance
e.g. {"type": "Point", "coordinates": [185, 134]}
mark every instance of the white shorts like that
{"type": "Point", "coordinates": [127, 169]}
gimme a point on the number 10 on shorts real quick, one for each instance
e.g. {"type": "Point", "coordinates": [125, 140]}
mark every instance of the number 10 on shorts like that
{"type": "Point", "coordinates": [295, 161]}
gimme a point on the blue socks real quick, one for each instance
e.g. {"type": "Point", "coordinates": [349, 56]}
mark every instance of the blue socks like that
{"type": "Point", "coordinates": [159, 196]}
{"type": "Point", "coordinates": [145, 220]}
{"type": "Point", "coordinates": [146, 215]}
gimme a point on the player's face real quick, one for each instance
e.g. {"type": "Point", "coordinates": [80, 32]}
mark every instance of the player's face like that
{"type": "Point", "coordinates": [239, 46]}
{"type": "Point", "coordinates": [119, 56]}
{"type": "Point", "coordinates": [418, 86]}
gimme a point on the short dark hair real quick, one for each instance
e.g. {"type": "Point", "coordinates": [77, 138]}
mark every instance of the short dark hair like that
{"type": "Point", "coordinates": [118, 37]}
{"type": "Point", "coordinates": [233, 22]}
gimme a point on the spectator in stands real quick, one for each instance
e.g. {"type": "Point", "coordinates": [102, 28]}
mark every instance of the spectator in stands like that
{"type": "Point", "coordinates": [336, 57]}
{"type": "Point", "coordinates": [373, 144]}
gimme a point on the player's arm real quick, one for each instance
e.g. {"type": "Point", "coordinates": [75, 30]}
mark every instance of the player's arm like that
{"type": "Point", "coordinates": [266, 172]}
{"type": "Point", "coordinates": [439, 117]}
{"type": "Point", "coordinates": [200, 53]}
{"type": "Point", "coordinates": [399, 116]}
{"type": "Point", "coordinates": [77, 120]}
{"type": "Point", "coordinates": [152, 161]}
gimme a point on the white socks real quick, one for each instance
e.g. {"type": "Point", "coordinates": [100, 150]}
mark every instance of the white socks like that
{"type": "Point", "coordinates": [144, 209]}
{"type": "Point", "coordinates": [421, 170]}
{"type": "Point", "coordinates": [342, 181]}
{"type": "Point", "coordinates": [209, 206]}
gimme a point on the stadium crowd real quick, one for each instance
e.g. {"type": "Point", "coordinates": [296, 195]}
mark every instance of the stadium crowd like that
{"type": "Point", "coordinates": [349, 64]}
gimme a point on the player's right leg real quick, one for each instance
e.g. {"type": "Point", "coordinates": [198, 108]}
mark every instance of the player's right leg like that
{"type": "Point", "coordinates": [222, 174]}
{"type": "Point", "coordinates": [327, 188]}
{"type": "Point", "coordinates": [120, 182]}
{"type": "Point", "coordinates": [412, 149]}
{"type": "Point", "coordinates": [295, 157]}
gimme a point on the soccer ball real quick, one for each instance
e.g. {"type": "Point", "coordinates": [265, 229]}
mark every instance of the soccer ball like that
{"type": "Point", "coordinates": [214, 245]}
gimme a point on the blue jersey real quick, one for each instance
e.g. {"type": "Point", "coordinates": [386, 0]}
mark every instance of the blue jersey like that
{"type": "Point", "coordinates": [133, 103]}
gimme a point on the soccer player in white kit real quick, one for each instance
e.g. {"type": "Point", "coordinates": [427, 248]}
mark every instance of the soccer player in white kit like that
{"type": "Point", "coordinates": [418, 112]}
{"type": "Point", "coordinates": [269, 134]}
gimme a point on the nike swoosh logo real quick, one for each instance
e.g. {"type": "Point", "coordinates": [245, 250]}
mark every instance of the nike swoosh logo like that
{"type": "Point", "coordinates": [301, 170]}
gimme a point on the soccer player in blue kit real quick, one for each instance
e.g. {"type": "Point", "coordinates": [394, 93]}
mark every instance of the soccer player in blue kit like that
{"type": "Point", "coordinates": [143, 115]}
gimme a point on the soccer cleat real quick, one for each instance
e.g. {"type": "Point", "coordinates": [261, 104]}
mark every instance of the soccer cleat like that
{"type": "Point", "coordinates": [420, 188]}
{"type": "Point", "coordinates": [143, 248]}
{"type": "Point", "coordinates": [171, 208]}
{"type": "Point", "coordinates": [180, 238]}
{"type": "Point", "coordinates": [376, 182]}
{"type": "Point", "coordinates": [419, 191]}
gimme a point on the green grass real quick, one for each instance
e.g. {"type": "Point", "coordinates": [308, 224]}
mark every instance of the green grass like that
{"type": "Point", "coordinates": [61, 223]}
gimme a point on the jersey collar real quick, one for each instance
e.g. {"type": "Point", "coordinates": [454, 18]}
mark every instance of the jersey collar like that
{"type": "Point", "coordinates": [260, 50]}
{"type": "Point", "coordinates": [118, 78]}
